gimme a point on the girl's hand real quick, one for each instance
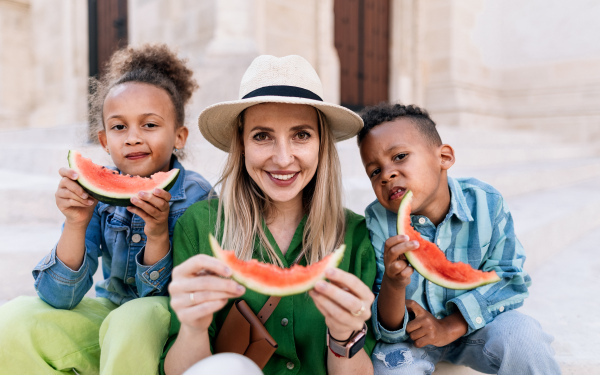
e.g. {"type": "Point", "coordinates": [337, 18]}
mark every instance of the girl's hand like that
{"type": "Point", "coordinates": [345, 302]}
{"type": "Point", "coordinates": [153, 208]}
{"type": "Point", "coordinates": [425, 329]}
{"type": "Point", "coordinates": [397, 269]}
{"type": "Point", "coordinates": [200, 287]}
{"type": "Point", "coordinates": [77, 205]}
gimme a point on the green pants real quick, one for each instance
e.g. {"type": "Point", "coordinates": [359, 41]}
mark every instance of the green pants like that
{"type": "Point", "coordinates": [96, 337]}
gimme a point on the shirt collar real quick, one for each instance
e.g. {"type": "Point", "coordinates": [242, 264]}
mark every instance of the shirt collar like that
{"type": "Point", "coordinates": [178, 190]}
{"type": "Point", "coordinates": [458, 203]}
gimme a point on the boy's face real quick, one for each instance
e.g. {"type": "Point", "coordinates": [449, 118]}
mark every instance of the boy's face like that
{"type": "Point", "coordinates": [397, 158]}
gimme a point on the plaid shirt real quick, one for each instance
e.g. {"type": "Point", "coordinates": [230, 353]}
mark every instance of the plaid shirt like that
{"type": "Point", "coordinates": [478, 230]}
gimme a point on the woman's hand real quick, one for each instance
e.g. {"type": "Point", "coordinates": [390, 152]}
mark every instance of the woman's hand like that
{"type": "Point", "coordinates": [199, 288]}
{"type": "Point", "coordinates": [77, 205]}
{"type": "Point", "coordinates": [345, 302]}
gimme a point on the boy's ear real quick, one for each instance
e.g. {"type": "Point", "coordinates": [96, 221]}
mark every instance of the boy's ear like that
{"type": "Point", "coordinates": [181, 135]}
{"type": "Point", "coordinates": [446, 156]}
{"type": "Point", "coordinates": [102, 138]}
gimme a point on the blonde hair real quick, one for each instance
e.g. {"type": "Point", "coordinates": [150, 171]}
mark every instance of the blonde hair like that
{"type": "Point", "coordinates": [242, 205]}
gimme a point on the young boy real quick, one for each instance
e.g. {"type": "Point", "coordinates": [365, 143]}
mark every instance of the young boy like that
{"type": "Point", "coordinates": [420, 323]}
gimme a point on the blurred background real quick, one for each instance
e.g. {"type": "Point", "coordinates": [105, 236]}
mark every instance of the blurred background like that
{"type": "Point", "coordinates": [514, 86]}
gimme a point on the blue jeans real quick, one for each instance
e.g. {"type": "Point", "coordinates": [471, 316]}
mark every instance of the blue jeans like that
{"type": "Point", "coordinates": [513, 343]}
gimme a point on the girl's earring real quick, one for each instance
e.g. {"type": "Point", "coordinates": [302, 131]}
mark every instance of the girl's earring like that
{"type": "Point", "coordinates": [107, 151]}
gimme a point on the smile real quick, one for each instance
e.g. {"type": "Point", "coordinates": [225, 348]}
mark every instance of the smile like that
{"type": "Point", "coordinates": [136, 155]}
{"type": "Point", "coordinates": [283, 177]}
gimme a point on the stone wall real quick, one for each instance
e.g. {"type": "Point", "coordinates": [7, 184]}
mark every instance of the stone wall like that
{"type": "Point", "coordinates": [526, 64]}
{"type": "Point", "coordinates": [59, 71]}
{"type": "Point", "coordinates": [15, 64]}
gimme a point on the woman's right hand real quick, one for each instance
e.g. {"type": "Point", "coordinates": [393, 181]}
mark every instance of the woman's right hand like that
{"type": "Point", "coordinates": [199, 288]}
{"type": "Point", "coordinates": [77, 205]}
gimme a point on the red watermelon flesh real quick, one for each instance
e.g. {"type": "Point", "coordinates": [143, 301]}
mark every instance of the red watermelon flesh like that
{"type": "Point", "coordinates": [431, 262]}
{"type": "Point", "coordinates": [271, 280]}
{"type": "Point", "coordinates": [110, 187]}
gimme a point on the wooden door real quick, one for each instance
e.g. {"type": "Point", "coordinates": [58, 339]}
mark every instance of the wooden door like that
{"type": "Point", "coordinates": [362, 42]}
{"type": "Point", "coordinates": [107, 31]}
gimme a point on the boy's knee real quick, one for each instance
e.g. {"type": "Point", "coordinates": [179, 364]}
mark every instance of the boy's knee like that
{"type": "Point", "coordinates": [512, 331]}
{"type": "Point", "coordinates": [399, 359]}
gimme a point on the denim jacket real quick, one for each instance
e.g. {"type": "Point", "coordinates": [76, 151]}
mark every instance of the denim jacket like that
{"type": "Point", "coordinates": [118, 237]}
{"type": "Point", "coordinates": [478, 230]}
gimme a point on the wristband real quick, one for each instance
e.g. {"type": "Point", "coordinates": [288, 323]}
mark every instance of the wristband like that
{"type": "Point", "coordinates": [349, 347]}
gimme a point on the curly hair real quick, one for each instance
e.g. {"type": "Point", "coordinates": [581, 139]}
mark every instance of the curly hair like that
{"type": "Point", "coordinates": [154, 64]}
{"type": "Point", "coordinates": [384, 112]}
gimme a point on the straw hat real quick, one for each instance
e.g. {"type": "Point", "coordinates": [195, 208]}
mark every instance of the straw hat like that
{"type": "Point", "coordinates": [289, 79]}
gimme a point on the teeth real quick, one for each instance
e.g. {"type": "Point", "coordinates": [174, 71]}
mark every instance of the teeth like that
{"type": "Point", "coordinates": [283, 177]}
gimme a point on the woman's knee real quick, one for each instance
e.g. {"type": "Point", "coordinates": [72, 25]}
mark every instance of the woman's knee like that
{"type": "Point", "coordinates": [225, 364]}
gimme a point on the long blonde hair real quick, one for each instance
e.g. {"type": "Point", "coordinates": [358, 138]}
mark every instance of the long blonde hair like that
{"type": "Point", "coordinates": [242, 205]}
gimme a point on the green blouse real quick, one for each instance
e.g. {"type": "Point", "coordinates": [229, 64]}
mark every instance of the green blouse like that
{"type": "Point", "coordinates": [296, 324]}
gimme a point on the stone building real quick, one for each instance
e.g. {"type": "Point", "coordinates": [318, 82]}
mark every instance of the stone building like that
{"type": "Point", "coordinates": [473, 63]}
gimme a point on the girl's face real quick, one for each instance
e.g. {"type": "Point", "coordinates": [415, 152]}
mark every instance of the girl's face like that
{"type": "Point", "coordinates": [281, 146]}
{"type": "Point", "coordinates": [139, 128]}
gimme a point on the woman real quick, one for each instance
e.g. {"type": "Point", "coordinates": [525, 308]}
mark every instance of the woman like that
{"type": "Point", "coordinates": [280, 203]}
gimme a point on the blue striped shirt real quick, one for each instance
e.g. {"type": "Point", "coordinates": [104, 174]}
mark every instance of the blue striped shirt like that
{"type": "Point", "coordinates": [477, 230]}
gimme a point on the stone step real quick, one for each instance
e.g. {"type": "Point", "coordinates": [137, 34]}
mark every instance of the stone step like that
{"type": "Point", "coordinates": [546, 221]}
{"type": "Point", "coordinates": [561, 304]}
{"type": "Point", "coordinates": [549, 221]}
{"type": "Point", "coordinates": [511, 181]}
{"type": "Point", "coordinates": [44, 150]}
{"type": "Point", "coordinates": [22, 246]}
{"type": "Point", "coordinates": [517, 179]}
{"type": "Point", "coordinates": [482, 156]}
{"type": "Point", "coordinates": [64, 134]}
{"type": "Point", "coordinates": [28, 198]}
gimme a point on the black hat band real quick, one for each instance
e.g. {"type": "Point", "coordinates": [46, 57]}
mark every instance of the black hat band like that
{"type": "Point", "coordinates": [282, 90]}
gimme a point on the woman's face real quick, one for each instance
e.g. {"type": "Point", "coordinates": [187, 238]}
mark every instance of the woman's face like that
{"type": "Point", "coordinates": [281, 147]}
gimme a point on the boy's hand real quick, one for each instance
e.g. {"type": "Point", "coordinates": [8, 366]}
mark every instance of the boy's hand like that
{"type": "Point", "coordinates": [424, 329]}
{"type": "Point", "coordinates": [153, 208]}
{"type": "Point", "coordinates": [397, 269]}
{"type": "Point", "coordinates": [77, 205]}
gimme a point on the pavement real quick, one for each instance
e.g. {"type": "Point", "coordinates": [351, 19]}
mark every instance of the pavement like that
{"type": "Point", "coordinates": [551, 187]}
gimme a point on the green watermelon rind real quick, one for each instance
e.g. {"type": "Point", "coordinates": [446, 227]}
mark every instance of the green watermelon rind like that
{"type": "Point", "coordinates": [419, 265]}
{"type": "Point", "coordinates": [111, 198]}
{"type": "Point", "coordinates": [335, 260]}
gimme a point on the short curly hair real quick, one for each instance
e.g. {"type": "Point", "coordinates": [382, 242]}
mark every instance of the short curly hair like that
{"type": "Point", "coordinates": [384, 112]}
{"type": "Point", "coordinates": [154, 64]}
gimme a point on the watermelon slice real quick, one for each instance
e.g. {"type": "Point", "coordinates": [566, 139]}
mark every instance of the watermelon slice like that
{"type": "Point", "coordinates": [431, 262]}
{"type": "Point", "coordinates": [110, 187]}
{"type": "Point", "coordinates": [271, 280]}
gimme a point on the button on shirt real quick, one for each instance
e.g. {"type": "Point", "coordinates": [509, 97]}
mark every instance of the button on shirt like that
{"type": "Point", "coordinates": [296, 324]}
{"type": "Point", "coordinates": [477, 230]}
{"type": "Point", "coordinates": [116, 235]}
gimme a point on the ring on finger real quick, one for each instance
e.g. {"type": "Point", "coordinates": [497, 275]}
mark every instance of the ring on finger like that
{"type": "Point", "coordinates": [360, 311]}
{"type": "Point", "coordinates": [192, 299]}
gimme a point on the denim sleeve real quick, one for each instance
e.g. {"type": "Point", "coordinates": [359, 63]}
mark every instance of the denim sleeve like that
{"type": "Point", "coordinates": [506, 256]}
{"type": "Point", "coordinates": [378, 239]}
{"type": "Point", "coordinates": [58, 285]}
{"type": "Point", "coordinates": [391, 337]}
{"type": "Point", "coordinates": [152, 280]}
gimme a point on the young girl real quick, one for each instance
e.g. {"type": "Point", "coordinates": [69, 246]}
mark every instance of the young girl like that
{"type": "Point", "coordinates": [140, 114]}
